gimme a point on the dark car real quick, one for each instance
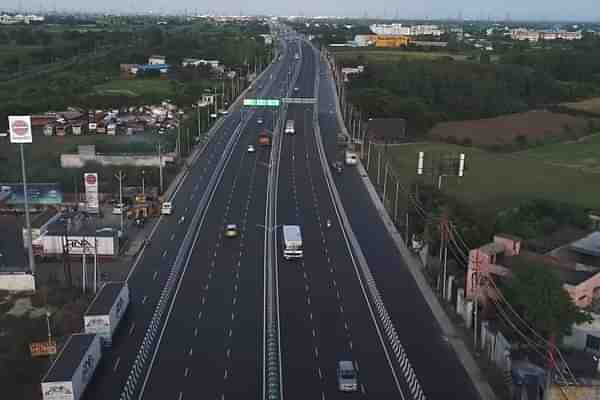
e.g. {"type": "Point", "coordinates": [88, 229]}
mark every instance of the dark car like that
{"type": "Point", "coordinates": [337, 166]}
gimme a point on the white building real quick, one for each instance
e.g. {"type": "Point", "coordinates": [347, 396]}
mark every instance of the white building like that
{"type": "Point", "coordinates": [585, 336]}
{"type": "Point", "coordinates": [6, 19]}
{"type": "Point", "coordinates": [524, 34]}
{"type": "Point", "coordinates": [156, 59]}
{"type": "Point", "coordinates": [363, 40]}
{"type": "Point", "coordinates": [399, 29]}
{"type": "Point", "coordinates": [268, 39]}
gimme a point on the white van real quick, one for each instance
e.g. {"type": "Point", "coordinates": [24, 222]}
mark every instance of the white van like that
{"type": "Point", "coordinates": [289, 126]}
{"type": "Point", "coordinates": [351, 158]}
{"type": "Point", "coordinates": [166, 208]}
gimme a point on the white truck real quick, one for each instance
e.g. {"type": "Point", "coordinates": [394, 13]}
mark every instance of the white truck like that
{"type": "Point", "coordinates": [289, 126]}
{"type": "Point", "coordinates": [292, 242]}
{"type": "Point", "coordinates": [73, 368]}
{"type": "Point", "coordinates": [106, 311]}
{"type": "Point", "coordinates": [351, 157]}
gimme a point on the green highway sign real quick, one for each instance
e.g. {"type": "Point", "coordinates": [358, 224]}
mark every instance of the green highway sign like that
{"type": "Point", "coordinates": [261, 102]}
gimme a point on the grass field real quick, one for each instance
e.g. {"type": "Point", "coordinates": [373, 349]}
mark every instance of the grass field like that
{"type": "Point", "coordinates": [582, 154]}
{"type": "Point", "coordinates": [495, 181]}
{"type": "Point", "coordinates": [136, 87]}
{"type": "Point", "coordinates": [379, 56]}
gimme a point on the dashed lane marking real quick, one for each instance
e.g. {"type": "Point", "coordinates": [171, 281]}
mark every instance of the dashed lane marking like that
{"type": "Point", "coordinates": [131, 329]}
{"type": "Point", "coordinates": [144, 299]}
{"type": "Point", "coordinates": [116, 364]}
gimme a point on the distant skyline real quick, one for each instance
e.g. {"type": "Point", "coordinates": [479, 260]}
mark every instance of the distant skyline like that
{"type": "Point", "coordinates": [584, 10]}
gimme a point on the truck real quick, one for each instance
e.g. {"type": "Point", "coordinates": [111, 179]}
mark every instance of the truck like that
{"type": "Point", "coordinates": [106, 311]}
{"type": "Point", "coordinates": [292, 242]}
{"type": "Point", "coordinates": [73, 368]}
{"type": "Point", "coordinates": [264, 138]}
{"type": "Point", "coordinates": [289, 126]}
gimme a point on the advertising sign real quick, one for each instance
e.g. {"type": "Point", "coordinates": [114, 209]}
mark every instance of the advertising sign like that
{"type": "Point", "coordinates": [40, 349]}
{"type": "Point", "coordinates": [91, 192]}
{"type": "Point", "coordinates": [20, 129]}
{"type": "Point", "coordinates": [261, 102]}
{"type": "Point", "coordinates": [37, 193]}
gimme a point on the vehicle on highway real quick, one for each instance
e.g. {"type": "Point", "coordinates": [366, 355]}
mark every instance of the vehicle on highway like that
{"type": "Point", "coordinates": [119, 209]}
{"type": "Point", "coordinates": [251, 148]}
{"type": "Point", "coordinates": [292, 242]}
{"type": "Point", "coordinates": [166, 208]}
{"type": "Point", "coordinates": [351, 157]}
{"type": "Point", "coordinates": [296, 89]}
{"type": "Point", "coordinates": [264, 138]}
{"type": "Point", "coordinates": [346, 376]}
{"type": "Point", "coordinates": [297, 56]}
{"type": "Point", "coordinates": [106, 311]}
{"type": "Point", "coordinates": [289, 126]}
{"type": "Point", "coordinates": [337, 166]}
{"type": "Point", "coordinates": [231, 231]}
{"type": "Point", "coordinates": [223, 112]}
{"type": "Point", "coordinates": [259, 120]}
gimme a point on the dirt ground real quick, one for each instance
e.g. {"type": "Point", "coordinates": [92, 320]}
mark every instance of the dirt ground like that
{"type": "Point", "coordinates": [535, 125]}
{"type": "Point", "coordinates": [589, 105]}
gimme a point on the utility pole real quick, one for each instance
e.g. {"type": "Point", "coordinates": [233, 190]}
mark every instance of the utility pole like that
{"type": "Point", "coordinates": [160, 168]}
{"type": "Point", "coordinates": [477, 280]}
{"type": "Point", "coordinates": [143, 185]}
{"type": "Point", "coordinates": [29, 243]}
{"type": "Point", "coordinates": [120, 177]}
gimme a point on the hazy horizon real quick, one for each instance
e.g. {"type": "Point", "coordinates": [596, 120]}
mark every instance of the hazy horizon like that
{"type": "Point", "coordinates": [578, 10]}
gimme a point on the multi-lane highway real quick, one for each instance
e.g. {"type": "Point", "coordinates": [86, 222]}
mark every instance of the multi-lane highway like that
{"type": "Point", "coordinates": [209, 344]}
{"type": "Point", "coordinates": [323, 313]}
{"type": "Point", "coordinates": [219, 292]}
{"type": "Point", "coordinates": [440, 373]}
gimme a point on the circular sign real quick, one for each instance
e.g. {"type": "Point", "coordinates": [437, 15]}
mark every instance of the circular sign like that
{"type": "Point", "coordinates": [20, 127]}
{"type": "Point", "coordinates": [90, 179]}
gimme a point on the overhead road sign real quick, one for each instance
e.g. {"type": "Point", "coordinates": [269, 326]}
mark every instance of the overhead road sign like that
{"type": "Point", "coordinates": [262, 102]}
{"type": "Point", "coordinates": [299, 100]}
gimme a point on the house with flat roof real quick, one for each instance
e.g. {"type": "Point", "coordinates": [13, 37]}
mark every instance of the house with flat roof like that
{"type": "Point", "coordinates": [577, 265]}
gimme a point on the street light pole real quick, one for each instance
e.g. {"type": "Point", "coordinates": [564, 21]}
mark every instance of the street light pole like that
{"type": "Point", "coordinates": [27, 219]}
{"type": "Point", "coordinates": [143, 185]}
{"type": "Point", "coordinates": [160, 169]}
{"type": "Point", "coordinates": [120, 176]}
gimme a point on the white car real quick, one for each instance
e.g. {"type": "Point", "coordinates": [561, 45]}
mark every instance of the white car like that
{"type": "Point", "coordinates": [231, 231]}
{"type": "Point", "coordinates": [119, 208]}
{"type": "Point", "coordinates": [296, 89]}
{"type": "Point", "coordinates": [251, 148]}
{"type": "Point", "coordinates": [259, 121]}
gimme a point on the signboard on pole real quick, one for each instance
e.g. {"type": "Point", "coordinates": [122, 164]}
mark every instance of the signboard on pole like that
{"type": "Point", "coordinates": [91, 192]}
{"type": "Point", "coordinates": [20, 128]}
{"type": "Point", "coordinates": [41, 349]}
{"type": "Point", "coordinates": [37, 193]}
{"type": "Point", "coordinates": [261, 102]}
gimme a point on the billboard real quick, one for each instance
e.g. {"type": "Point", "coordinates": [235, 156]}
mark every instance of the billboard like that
{"type": "Point", "coordinates": [41, 349]}
{"type": "Point", "coordinates": [20, 128]}
{"type": "Point", "coordinates": [91, 192]}
{"type": "Point", "coordinates": [37, 193]}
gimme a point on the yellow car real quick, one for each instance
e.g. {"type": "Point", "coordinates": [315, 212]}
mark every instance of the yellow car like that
{"type": "Point", "coordinates": [231, 231]}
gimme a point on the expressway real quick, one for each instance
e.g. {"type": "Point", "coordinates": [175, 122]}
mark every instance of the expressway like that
{"type": "Point", "coordinates": [324, 317]}
{"type": "Point", "coordinates": [440, 373]}
{"type": "Point", "coordinates": [211, 279]}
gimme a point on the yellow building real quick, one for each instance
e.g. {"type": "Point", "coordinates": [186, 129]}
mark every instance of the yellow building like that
{"type": "Point", "coordinates": [391, 41]}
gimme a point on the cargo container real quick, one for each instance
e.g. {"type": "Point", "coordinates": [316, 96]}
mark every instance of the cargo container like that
{"type": "Point", "coordinates": [106, 243]}
{"type": "Point", "coordinates": [73, 368]}
{"type": "Point", "coordinates": [106, 310]}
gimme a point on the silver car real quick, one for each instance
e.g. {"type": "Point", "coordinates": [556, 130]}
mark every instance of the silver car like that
{"type": "Point", "coordinates": [347, 377]}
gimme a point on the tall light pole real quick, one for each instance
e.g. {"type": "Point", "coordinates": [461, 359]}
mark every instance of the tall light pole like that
{"type": "Point", "coordinates": [143, 185]}
{"type": "Point", "coordinates": [160, 169]}
{"type": "Point", "coordinates": [20, 132]}
{"type": "Point", "coordinates": [120, 177]}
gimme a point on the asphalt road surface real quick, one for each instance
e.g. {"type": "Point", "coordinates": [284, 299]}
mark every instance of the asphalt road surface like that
{"type": "Point", "coordinates": [217, 294]}
{"type": "Point", "coordinates": [324, 316]}
{"type": "Point", "coordinates": [440, 373]}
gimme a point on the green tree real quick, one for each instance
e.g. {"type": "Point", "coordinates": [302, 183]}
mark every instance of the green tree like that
{"type": "Point", "coordinates": [538, 296]}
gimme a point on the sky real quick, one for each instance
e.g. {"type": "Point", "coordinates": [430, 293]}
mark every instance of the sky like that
{"type": "Point", "coordinates": [587, 10]}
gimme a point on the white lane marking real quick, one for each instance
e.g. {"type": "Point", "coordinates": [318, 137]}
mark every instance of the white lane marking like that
{"type": "Point", "coordinates": [362, 389]}
{"type": "Point", "coordinates": [228, 352]}
{"type": "Point", "coordinates": [200, 315]}
{"type": "Point", "coordinates": [232, 316]}
{"type": "Point", "coordinates": [195, 331]}
{"type": "Point", "coordinates": [320, 373]}
{"type": "Point", "coordinates": [191, 351]}
{"type": "Point", "coordinates": [155, 275]}
{"type": "Point", "coordinates": [310, 316]}
{"type": "Point", "coordinates": [172, 236]}
{"type": "Point", "coordinates": [192, 196]}
{"type": "Point", "coordinates": [230, 332]}
{"type": "Point", "coordinates": [144, 299]}
{"type": "Point", "coordinates": [164, 254]}
{"type": "Point", "coordinates": [225, 375]}
{"type": "Point", "coordinates": [131, 329]}
{"type": "Point", "coordinates": [234, 300]}
{"type": "Point", "coordinates": [186, 372]}
{"type": "Point", "coordinates": [180, 396]}
{"type": "Point", "coordinates": [116, 364]}
{"type": "Point", "coordinates": [316, 352]}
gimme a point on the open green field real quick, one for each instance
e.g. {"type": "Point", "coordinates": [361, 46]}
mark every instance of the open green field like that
{"type": "Point", "coordinates": [495, 181]}
{"type": "Point", "coordinates": [392, 55]}
{"type": "Point", "coordinates": [582, 154]}
{"type": "Point", "coordinates": [136, 87]}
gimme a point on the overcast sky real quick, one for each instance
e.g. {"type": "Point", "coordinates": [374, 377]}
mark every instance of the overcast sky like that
{"type": "Point", "coordinates": [588, 10]}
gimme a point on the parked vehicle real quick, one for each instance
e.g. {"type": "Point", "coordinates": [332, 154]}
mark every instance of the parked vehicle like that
{"type": "Point", "coordinates": [73, 368]}
{"type": "Point", "coordinates": [106, 310]}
